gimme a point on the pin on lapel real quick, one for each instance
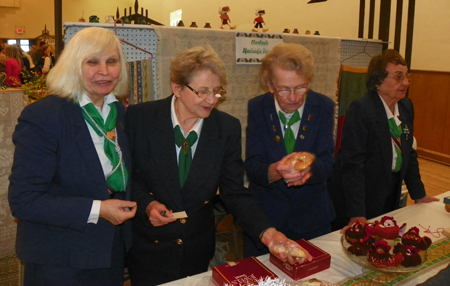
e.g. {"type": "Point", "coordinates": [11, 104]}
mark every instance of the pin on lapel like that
{"type": "Point", "coordinates": [406, 131]}
{"type": "Point", "coordinates": [277, 138]}
{"type": "Point", "coordinates": [309, 117]}
{"type": "Point", "coordinates": [274, 128]}
{"type": "Point", "coordinates": [304, 128]}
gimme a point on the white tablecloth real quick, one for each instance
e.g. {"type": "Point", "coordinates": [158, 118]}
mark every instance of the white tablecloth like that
{"type": "Point", "coordinates": [431, 217]}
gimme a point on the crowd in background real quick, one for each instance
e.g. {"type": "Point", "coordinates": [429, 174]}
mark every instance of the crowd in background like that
{"type": "Point", "coordinates": [17, 66]}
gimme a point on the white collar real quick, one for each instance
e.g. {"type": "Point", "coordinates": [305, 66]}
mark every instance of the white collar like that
{"type": "Point", "coordinates": [289, 115]}
{"type": "Point", "coordinates": [197, 126]}
{"type": "Point", "coordinates": [389, 112]}
{"type": "Point", "coordinates": [85, 99]}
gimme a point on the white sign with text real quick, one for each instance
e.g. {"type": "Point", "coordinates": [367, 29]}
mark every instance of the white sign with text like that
{"type": "Point", "coordinates": [252, 47]}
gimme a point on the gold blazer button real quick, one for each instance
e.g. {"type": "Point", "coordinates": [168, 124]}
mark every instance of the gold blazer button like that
{"type": "Point", "coordinates": [179, 241]}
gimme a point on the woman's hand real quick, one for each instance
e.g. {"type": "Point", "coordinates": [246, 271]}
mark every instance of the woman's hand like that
{"type": "Point", "coordinates": [427, 199]}
{"type": "Point", "coordinates": [296, 179]}
{"type": "Point", "coordinates": [117, 211]}
{"type": "Point", "coordinates": [284, 248]}
{"type": "Point", "coordinates": [360, 219]}
{"type": "Point", "coordinates": [158, 214]}
{"type": "Point", "coordinates": [292, 177]}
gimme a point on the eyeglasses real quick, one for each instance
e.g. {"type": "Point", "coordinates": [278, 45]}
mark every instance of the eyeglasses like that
{"type": "Point", "coordinates": [300, 90]}
{"type": "Point", "coordinates": [204, 92]}
{"type": "Point", "coordinates": [401, 77]}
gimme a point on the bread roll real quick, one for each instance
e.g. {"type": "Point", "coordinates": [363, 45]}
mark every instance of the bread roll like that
{"type": "Point", "coordinates": [304, 161]}
{"type": "Point", "coordinates": [292, 251]}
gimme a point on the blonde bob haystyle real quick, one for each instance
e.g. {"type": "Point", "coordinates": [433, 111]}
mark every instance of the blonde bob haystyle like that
{"type": "Point", "coordinates": [288, 56]}
{"type": "Point", "coordinates": [65, 79]}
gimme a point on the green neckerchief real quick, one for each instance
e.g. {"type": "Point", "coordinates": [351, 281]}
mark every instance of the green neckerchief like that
{"type": "Point", "coordinates": [289, 138]}
{"type": "Point", "coordinates": [185, 156]}
{"type": "Point", "coordinates": [118, 178]}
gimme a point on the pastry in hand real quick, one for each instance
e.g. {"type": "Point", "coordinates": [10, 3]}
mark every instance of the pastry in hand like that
{"type": "Point", "coordinates": [293, 251]}
{"type": "Point", "coordinates": [300, 161]}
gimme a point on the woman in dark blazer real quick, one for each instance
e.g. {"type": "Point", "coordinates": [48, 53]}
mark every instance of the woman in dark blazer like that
{"type": "Point", "coordinates": [167, 246]}
{"type": "Point", "coordinates": [69, 181]}
{"type": "Point", "coordinates": [303, 207]}
{"type": "Point", "coordinates": [376, 156]}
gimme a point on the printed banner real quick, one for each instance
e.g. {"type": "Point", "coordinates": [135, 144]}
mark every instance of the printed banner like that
{"type": "Point", "coordinates": [252, 47]}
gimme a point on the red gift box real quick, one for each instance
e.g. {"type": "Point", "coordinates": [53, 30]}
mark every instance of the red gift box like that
{"type": "Point", "coordinates": [321, 261]}
{"type": "Point", "coordinates": [247, 271]}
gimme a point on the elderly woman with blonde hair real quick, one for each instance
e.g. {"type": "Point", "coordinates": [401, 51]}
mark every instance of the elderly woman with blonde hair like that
{"type": "Point", "coordinates": [69, 186]}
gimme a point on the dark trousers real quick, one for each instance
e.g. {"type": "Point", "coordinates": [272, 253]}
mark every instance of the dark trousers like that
{"type": "Point", "coordinates": [50, 275]}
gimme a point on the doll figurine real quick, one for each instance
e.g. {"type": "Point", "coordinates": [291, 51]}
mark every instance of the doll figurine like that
{"type": "Point", "coordinates": [259, 21]}
{"type": "Point", "coordinates": [225, 18]}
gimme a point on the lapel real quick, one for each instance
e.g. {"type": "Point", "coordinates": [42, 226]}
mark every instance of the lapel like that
{"type": "Point", "coordinates": [205, 159]}
{"type": "Point", "coordinates": [122, 137]}
{"type": "Point", "coordinates": [273, 126]}
{"type": "Point", "coordinates": [85, 146]}
{"type": "Point", "coordinates": [162, 141]}
{"type": "Point", "coordinates": [307, 124]}
{"type": "Point", "coordinates": [381, 128]}
{"type": "Point", "coordinates": [406, 137]}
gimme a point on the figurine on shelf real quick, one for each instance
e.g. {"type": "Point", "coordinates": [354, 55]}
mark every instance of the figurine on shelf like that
{"type": "Point", "coordinates": [225, 18]}
{"type": "Point", "coordinates": [259, 21]}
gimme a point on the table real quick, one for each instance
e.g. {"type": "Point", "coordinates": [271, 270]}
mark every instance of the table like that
{"type": "Point", "coordinates": [430, 218]}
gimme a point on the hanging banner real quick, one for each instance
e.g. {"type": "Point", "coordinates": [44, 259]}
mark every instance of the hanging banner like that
{"type": "Point", "coordinates": [252, 47]}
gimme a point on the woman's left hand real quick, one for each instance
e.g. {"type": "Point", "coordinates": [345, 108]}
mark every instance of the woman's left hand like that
{"type": "Point", "coordinates": [297, 178]}
{"type": "Point", "coordinates": [427, 199]}
{"type": "Point", "coordinates": [117, 211]}
{"type": "Point", "coordinates": [284, 248]}
{"type": "Point", "coordinates": [289, 175]}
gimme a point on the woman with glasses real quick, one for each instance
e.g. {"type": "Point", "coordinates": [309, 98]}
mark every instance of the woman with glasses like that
{"type": "Point", "coordinates": [183, 151]}
{"type": "Point", "coordinates": [290, 118]}
{"type": "Point", "coordinates": [376, 153]}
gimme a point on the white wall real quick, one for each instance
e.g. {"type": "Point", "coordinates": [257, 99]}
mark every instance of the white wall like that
{"type": "Point", "coordinates": [335, 18]}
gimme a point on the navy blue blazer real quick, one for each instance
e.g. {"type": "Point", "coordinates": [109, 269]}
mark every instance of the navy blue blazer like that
{"type": "Point", "coordinates": [217, 164]}
{"type": "Point", "coordinates": [55, 177]}
{"type": "Point", "coordinates": [362, 173]}
{"type": "Point", "coordinates": [304, 208]}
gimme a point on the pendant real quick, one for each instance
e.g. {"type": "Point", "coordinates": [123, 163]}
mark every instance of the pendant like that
{"type": "Point", "coordinates": [185, 146]}
{"type": "Point", "coordinates": [111, 134]}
